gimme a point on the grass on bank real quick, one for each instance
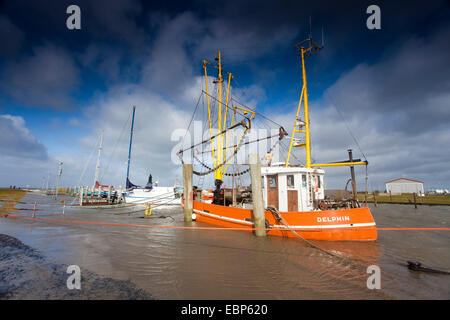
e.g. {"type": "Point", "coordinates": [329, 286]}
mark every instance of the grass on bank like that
{"type": "Point", "coordinates": [8, 199]}
{"type": "Point", "coordinates": [407, 198]}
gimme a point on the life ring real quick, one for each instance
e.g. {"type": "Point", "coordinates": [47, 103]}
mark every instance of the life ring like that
{"type": "Point", "coordinates": [323, 206]}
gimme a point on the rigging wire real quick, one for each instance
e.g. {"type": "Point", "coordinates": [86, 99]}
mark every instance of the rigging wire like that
{"type": "Point", "coordinates": [87, 163]}
{"type": "Point", "coordinates": [346, 124]}
{"type": "Point", "coordinates": [192, 118]}
{"type": "Point", "coordinates": [111, 157]}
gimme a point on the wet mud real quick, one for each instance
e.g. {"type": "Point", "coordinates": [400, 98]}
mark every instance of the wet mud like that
{"type": "Point", "coordinates": [26, 274]}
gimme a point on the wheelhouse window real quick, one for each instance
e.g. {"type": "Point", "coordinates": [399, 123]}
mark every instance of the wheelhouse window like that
{"type": "Point", "coordinates": [304, 180]}
{"type": "Point", "coordinates": [290, 181]}
{"type": "Point", "coordinates": [272, 181]}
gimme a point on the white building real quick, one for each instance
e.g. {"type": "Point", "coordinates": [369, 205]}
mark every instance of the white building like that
{"type": "Point", "coordinates": [404, 185]}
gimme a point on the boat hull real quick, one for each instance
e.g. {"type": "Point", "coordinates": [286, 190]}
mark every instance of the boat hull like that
{"type": "Point", "coordinates": [157, 195]}
{"type": "Point", "coordinates": [355, 224]}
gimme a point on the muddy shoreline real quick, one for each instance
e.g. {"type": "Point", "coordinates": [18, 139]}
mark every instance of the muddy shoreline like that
{"type": "Point", "coordinates": [25, 274]}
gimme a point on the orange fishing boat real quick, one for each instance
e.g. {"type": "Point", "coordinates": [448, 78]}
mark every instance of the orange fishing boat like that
{"type": "Point", "coordinates": [293, 194]}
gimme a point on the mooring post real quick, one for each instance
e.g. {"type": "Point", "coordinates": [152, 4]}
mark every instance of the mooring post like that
{"type": "Point", "coordinates": [233, 195]}
{"type": "Point", "coordinates": [34, 209]}
{"type": "Point", "coordinates": [80, 192]}
{"type": "Point", "coordinates": [257, 195]}
{"type": "Point", "coordinates": [415, 200]}
{"type": "Point", "coordinates": [352, 173]}
{"type": "Point", "coordinates": [188, 195]}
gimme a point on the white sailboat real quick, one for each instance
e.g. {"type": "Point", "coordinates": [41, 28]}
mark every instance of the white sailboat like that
{"type": "Point", "coordinates": [151, 193]}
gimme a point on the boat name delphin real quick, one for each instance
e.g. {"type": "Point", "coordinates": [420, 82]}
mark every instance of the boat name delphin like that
{"type": "Point", "coordinates": [333, 219]}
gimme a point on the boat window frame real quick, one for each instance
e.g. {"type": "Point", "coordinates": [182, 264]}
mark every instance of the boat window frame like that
{"type": "Point", "coordinates": [273, 178]}
{"type": "Point", "coordinates": [288, 186]}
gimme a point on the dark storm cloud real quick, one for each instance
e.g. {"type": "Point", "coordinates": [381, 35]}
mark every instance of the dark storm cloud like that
{"type": "Point", "coordinates": [16, 141]}
{"type": "Point", "coordinates": [115, 21]}
{"type": "Point", "coordinates": [409, 91]}
{"type": "Point", "coordinates": [46, 78]}
{"type": "Point", "coordinates": [11, 38]}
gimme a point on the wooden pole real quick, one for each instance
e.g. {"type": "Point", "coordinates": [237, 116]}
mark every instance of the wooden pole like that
{"type": "Point", "coordinates": [257, 195]}
{"type": "Point", "coordinates": [352, 173]}
{"type": "Point", "coordinates": [415, 200]}
{"type": "Point", "coordinates": [188, 192]}
{"type": "Point", "coordinates": [80, 192]}
{"type": "Point", "coordinates": [233, 196]}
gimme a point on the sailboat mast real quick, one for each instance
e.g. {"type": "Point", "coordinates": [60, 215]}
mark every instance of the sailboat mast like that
{"type": "Point", "coordinates": [48, 180]}
{"type": "Point", "coordinates": [97, 167]}
{"type": "Point", "coordinates": [131, 140]}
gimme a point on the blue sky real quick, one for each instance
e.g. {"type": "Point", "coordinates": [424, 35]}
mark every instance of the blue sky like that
{"type": "Point", "coordinates": [59, 88]}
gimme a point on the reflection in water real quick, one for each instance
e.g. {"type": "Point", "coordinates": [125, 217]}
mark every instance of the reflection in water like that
{"type": "Point", "coordinates": [211, 264]}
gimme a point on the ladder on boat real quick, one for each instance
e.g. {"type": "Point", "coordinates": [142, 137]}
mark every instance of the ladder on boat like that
{"type": "Point", "coordinates": [310, 190]}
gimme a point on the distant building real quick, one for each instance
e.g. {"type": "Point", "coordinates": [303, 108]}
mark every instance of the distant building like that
{"type": "Point", "coordinates": [404, 185]}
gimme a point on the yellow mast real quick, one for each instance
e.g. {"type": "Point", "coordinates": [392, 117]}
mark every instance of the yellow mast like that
{"type": "Point", "coordinates": [209, 111]}
{"type": "Point", "coordinates": [218, 173]}
{"type": "Point", "coordinates": [303, 96]}
{"type": "Point", "coordinates": [308, 51]}
{"type": "Point", "coordinates": [220, 156]}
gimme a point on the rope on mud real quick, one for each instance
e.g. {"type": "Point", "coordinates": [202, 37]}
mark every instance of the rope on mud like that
{"type": "Point", "coordinates": [280, 218]}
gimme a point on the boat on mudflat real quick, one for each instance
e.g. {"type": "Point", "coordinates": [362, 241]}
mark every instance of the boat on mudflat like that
{"type": "Point", "coordinates": [293, 193]}
{"type": "Point", "coordinates": [151, 193]}
{"type": "Point", "coordinates": [155, 196]}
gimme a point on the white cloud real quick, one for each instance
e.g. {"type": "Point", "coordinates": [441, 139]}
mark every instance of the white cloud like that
{"type": "Point", "coordinates": [16, 140]}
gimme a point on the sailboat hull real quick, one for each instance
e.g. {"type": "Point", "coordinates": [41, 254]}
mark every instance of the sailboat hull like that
{"type": "Point", "coordinates": [355, 224]}
{"type": "Point", "coordinates": [157, 195]}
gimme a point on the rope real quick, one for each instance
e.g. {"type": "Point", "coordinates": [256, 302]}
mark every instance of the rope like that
{"type": "Point", "coordinates": [225, 174]}
{"type": "Point", "coordinates": [242, 123]}
{"type": "Point", "coordinates": [280, 218]}
{"type": "Point", "coordinates": [217, 167]}
{"type": "Point", "coordinates": [248, 142]}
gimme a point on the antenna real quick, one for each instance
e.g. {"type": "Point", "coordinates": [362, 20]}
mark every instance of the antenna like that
{"type": "Point", "coordinates": [310, 28]}
{"type": "Point", "coordinates": [323, 43]}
